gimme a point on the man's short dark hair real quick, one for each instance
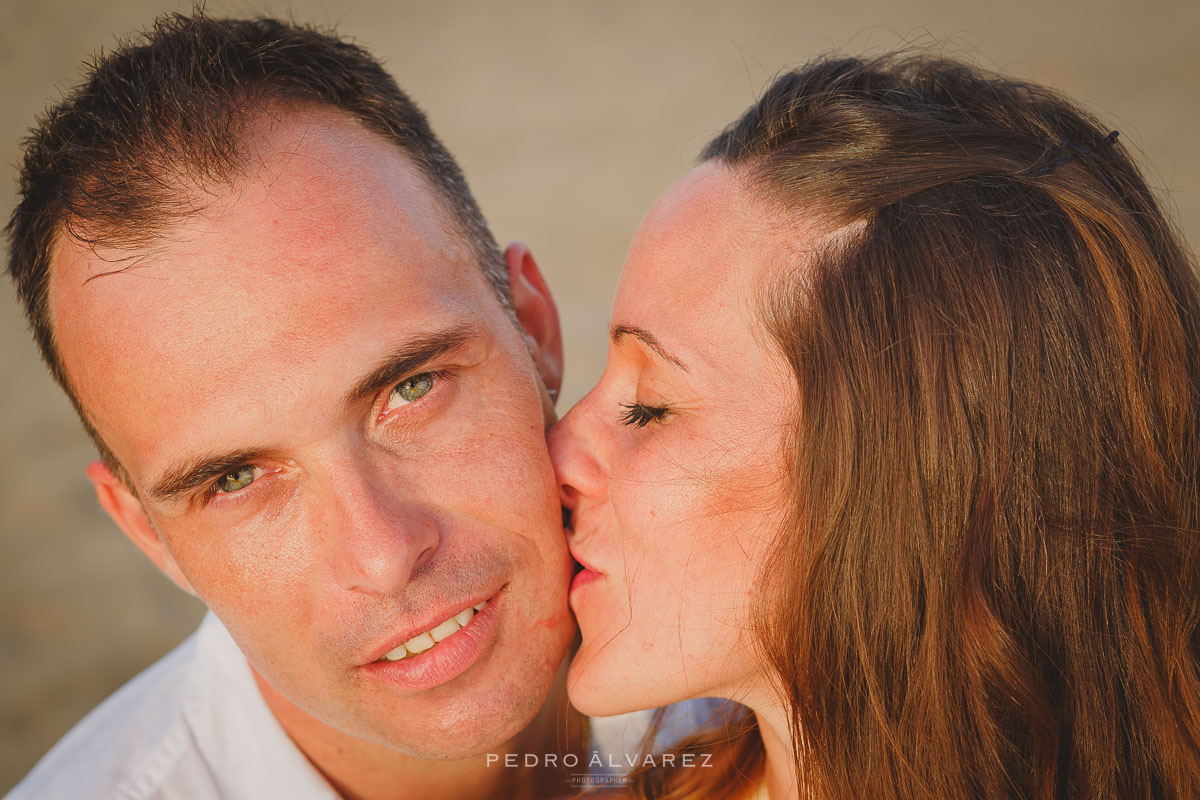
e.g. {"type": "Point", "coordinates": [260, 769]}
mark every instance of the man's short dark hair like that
{"type": "Point", "coordinates": [166, 114]}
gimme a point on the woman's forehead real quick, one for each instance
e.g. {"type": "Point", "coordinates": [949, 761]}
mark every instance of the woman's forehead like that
{"type": "Point", "coordinates": [698, 263]}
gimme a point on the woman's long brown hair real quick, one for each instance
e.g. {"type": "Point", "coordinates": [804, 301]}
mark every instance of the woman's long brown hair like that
{"type": "Point", "coordinates": [991, 581]}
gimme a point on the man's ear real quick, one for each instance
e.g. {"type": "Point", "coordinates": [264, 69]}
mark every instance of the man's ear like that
{"type": "Point", "coordinates": [537, 314]}
{"type": "Point", "coordinates": [126, 510]}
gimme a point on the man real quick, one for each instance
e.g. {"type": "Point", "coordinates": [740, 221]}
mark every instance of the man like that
{"type": "Point", "coordinates": [319, 392]}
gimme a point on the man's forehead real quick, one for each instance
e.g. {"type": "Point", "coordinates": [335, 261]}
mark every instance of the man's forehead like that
{"type": "Point", "coordinates": [332, 235]}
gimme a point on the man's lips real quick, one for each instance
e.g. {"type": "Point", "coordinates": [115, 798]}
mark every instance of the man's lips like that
{"type": "Point", "coordinates": [444, 661]}
{"type": "Point", "coordinates": [432, 618]}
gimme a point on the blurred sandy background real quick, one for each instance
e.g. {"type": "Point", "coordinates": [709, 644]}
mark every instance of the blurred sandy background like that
{"type": "Point", "coordinates": [568, 120]}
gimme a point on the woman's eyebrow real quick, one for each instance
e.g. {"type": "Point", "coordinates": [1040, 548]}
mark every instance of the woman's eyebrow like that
{"type": "Point", "coordinates": [647, 338]}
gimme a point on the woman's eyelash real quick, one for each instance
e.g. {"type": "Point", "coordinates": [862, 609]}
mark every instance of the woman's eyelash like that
{"type": "Point", "coordinates": [639, 416]}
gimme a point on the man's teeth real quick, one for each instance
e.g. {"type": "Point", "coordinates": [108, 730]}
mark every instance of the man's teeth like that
{"type": "Point", "coordinates": [419, 644]}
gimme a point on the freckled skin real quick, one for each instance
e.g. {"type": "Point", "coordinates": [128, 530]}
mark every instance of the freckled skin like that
{"type": "Point", "coordinates": [244, 329]}
{"type": "Point", "coordinates": [678, 516]}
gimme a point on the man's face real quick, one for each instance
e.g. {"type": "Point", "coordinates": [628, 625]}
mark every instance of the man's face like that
{"type": "Point", "coordinates": [337, 436]}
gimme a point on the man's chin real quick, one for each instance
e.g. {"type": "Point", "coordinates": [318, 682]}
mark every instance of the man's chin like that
{"type": "Point", "coordinates": [465, 724]}
{"type": "Point", "coordinates": [468, 732]}
{"type": "Point", "coordinates": [476, 713]}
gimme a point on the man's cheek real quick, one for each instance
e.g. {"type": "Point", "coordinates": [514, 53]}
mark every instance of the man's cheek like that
{"type": "Point", "coordinates": [235, 572]}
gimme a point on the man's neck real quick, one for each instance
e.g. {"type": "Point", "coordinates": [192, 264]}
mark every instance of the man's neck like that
{"type": "Point", "coordinates": [362, 770]}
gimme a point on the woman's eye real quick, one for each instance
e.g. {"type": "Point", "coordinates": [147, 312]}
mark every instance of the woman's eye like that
{"type": "Point", "coordinates": [411, 389]}
{"type": "Point", "coordinates": [235, 480]}
{"type": "Point", "coordinates": [639, 415]}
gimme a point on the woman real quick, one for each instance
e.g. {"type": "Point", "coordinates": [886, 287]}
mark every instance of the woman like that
{"type": "Point", "coordinates": [897, 445]}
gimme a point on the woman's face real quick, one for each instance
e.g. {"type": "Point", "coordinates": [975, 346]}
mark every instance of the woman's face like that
{"type": "Point", "coordinates": [671, 466]}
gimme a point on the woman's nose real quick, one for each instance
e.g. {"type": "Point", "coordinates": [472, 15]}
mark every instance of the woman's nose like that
{"type": "Point", "coordinates": [576, 450]}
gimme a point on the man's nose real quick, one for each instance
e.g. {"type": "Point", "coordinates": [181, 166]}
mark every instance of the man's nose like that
{"type": "Point", "coordinates": [379, 538]}
{"type": "Point", "coordinates": [575, 450]}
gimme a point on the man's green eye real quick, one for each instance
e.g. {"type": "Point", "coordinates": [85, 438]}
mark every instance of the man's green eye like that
{"type": "Point", "coordinates": [410, 390]}
{"type": "Point", "coordinates": [235, 480]}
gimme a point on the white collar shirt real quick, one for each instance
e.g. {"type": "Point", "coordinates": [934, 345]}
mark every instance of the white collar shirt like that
{"type": "Point", "coordinates": [193, 725]}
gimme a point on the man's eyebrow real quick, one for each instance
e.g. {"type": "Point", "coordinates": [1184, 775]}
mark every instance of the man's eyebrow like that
{"type": "Point", "coordinates": [647, 338]}
{"type": "Point", "coordinates": [405, 360]}
{"type": "Point", "coordinates": [180, 480]}
{"type": "Point", "coordinates": [409, 357]}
